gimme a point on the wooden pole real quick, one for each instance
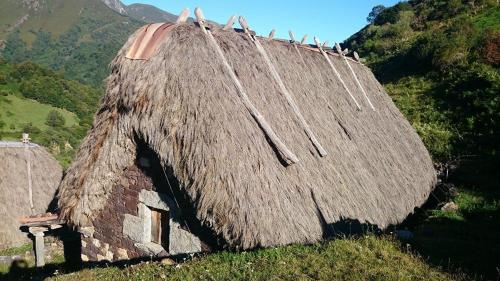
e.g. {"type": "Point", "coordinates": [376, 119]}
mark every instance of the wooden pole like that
{"type": "Point", "coordinates": [271, 34]}
{"type": "Point", "coordinates": [183, 16]}
{"type": "Point", "coordinates": [287, 94]}
{"type": "Point", "coordinates": [230, 23]}
{"type": "Point", "coordinates": [318, 44]}
{"type": "Point", "coordinates": [284, 152]}
{"type": "Point", "coordinates": [29, 179]}
{"type": "Point", "coordinates": [292, 36]}
{"type": "Point", "coordinates": [304, 39]}
{"type": "Point", "coordinates": [341, 53]}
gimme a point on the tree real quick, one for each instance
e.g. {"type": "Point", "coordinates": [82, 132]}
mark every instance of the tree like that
{"type": "Point", "coordinates": [55, 119]}
{"type": "Point", "coordinates": [374, 13]}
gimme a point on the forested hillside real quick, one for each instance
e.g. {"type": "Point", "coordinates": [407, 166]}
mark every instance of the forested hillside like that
{"type": "Point", "coordinates": [440, 61]}
{"type": "Point", "coordinates": [77, 38]}
{"type": "Point", "coordinates": [55, 111]}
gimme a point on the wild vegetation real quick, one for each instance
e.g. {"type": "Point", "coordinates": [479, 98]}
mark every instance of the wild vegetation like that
{"type": "Point", "coordinates": [439, 61]}
{"type": "Point", "coordinates": [78, 38]}
{"type": "Point", "coordinates": [56, 112]}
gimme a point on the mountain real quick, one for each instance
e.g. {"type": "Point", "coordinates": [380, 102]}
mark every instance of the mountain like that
{"type": "Point", "coordinates": [148, 13]}
{"type": "Point", "coordinates": [75, 37]}
{"type": "Point", "coordinates": [141, 12]}
{"type": "Point", "coordinates": [116, 5]}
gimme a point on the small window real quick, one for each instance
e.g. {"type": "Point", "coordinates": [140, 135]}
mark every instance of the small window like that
{"type": "Point", "coordinates": [160, 227]}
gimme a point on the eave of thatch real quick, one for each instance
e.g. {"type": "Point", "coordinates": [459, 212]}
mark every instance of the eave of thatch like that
{"type": "Point", "coordinates": [183, 103]}
{"type": "Point", "coordinates": [46, 175]}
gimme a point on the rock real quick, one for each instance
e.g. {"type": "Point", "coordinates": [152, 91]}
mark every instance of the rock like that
{"type": "Point", "coordinates": [84, 258]}
{"type": "Point", "coordinates": [96, 242]}
{"type": "Point", "coordinates": [450, 207]}
{"type": "Point", "coordinates": [122, 254]}
{"type": "Point", "coordinates": [167, 261]}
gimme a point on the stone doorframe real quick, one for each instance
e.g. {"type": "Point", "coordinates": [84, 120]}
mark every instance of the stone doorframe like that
{"type": "Point", "coordinates": [138, 228]}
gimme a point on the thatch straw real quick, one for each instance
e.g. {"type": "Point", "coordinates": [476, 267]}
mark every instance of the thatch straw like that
{"type": "Point", "coordinates": [185, 106]}
{"type": "Point", "coordinates": [46, 175]}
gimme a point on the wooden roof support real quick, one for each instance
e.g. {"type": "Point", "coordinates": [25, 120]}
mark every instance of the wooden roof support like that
{"type": "Point", "coordinates": [284, 152]}
{"type": "Point", "coordinates": [318, 44]}
{"type": "Point", "coordinates": [289, 97]}
{"type": "Point", "coordinates": [230, 23]}
{"type": "Point", "coordinates": [342, 54]}
{"type": "Point", "coordinates": [304, 39]}
{"type": "Point", "coordinates": [292, 36]}
{"type": "Point", "coordinates": [271, 34]}
{"type": "Point", "coordinates": [356, 56]}
{"type": "Point", "coordinates": [183, 16]}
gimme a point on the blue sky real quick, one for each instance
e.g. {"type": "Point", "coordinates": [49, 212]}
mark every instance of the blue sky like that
{"type": "Point", "coordinates": [333, 20]}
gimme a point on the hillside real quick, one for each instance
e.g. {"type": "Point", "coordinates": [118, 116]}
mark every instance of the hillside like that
{"type": "Point", "coordinates": [75, 37]}
{"type": "Point", "coordinates": [55, 111]}
{"type": "Point", "coordinates": [439, 61]}
{"type": "Point", "coordinates": [149, 13]}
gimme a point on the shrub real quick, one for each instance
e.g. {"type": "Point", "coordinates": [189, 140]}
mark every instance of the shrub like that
{"type": "Point", "coordinates": [31, 129]}
{"type": "Point", "coordinates": [55, 119]}
{"type": "Point", "coordinates": [490, 52]}
{"type": "Point", "coordinates": [3, 79]}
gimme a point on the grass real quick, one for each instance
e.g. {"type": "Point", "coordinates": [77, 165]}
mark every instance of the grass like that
{"type": "Point", "coordinates": [466, 239]}
{"type": "Point", "coordinates": [488, 19]}
{"type": "Point", "coordinates": [17, 250]}
{"type": "Point", "coordinates": [365, 258]}
{"type": "Point", "coordinates": [18, 111]}
{"type": "Point", "coordinates": [27, 263]}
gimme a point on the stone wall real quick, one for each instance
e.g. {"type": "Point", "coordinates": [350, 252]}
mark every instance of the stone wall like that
{"type": "Point", "coordinates": [108, 241]}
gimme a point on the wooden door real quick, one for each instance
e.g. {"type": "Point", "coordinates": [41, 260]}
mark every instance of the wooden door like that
{"type": "Point", "coordinates": [156, 226]}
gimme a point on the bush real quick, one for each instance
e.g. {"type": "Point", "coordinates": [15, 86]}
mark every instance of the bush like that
{"type": "Point", "coordinates": [490, 52]}
{"type": "Point", "coordinates": [3, 79]}
{"type": "Point", "coordinates": [55, 119]}
{"type": "Point", "coordinates": [31, 129]}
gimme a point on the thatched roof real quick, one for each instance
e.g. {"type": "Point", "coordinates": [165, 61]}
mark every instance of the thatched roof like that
{"type": "Point", "coordinates": [185, 105]}
{"type": "Point", "coordinates": [46, 174]}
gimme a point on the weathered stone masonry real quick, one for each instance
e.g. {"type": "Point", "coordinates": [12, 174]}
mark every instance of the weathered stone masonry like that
{"type": "Point", "coordinates": [108, 241]}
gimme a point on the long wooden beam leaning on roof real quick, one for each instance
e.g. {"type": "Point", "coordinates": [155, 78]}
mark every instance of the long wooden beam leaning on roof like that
{"type": "Point", "coordinates": [292, 41]}
{"type": "Point", "coordinates": [283, 88]}
{"type": "Point", "coordinates": [342, 54]}
{"type": "Point", "coordinates": [318, 44]}
{"type": "Point", "coordinates": [284, 152]}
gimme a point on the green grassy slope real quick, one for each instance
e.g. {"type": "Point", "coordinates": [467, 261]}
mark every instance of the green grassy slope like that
{"type": "Point", "coordinates": [29, 94]}
{"type": "Point", "coordinates": [366, 258]}
{"type": "Point", "coordinates": [76, 37]}
{"type": "Point", "coordinates": [18, 111]}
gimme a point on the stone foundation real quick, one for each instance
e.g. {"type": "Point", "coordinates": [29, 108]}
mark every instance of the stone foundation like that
{"type": "Point", "coordinates": [122, 230]}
